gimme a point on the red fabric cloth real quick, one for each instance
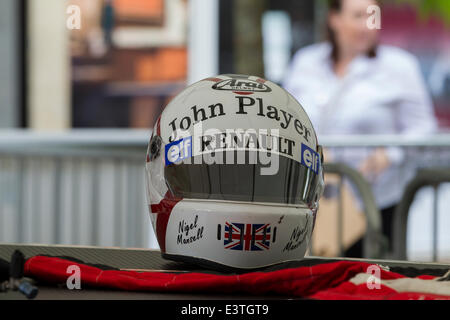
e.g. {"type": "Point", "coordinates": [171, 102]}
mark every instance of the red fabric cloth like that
{"type": "Point", "coordinates": [324, 281]}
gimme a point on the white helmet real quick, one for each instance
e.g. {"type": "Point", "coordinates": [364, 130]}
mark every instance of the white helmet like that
{"type": "Point", "coordinates": [234, 175]}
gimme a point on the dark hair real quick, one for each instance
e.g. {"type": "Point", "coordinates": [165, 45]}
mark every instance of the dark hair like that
{"type": "Point", "coordinates": [336, 6]}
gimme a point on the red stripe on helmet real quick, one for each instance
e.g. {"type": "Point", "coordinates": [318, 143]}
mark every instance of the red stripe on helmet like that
{"type": "Point", "coordinates": [245, 93]}
{"type": "Point", "coordinates": [158, 126]}
{"type": "Point", "coordinates": [213, 79]}
{"type": "Point", "coordinates": [163, 210]}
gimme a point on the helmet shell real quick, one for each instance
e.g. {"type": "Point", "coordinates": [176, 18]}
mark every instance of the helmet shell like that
{"type": "Point", "coordinates": [207, 211]}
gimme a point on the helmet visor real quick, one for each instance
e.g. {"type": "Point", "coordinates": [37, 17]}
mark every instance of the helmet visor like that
{"type": "Point", "coordinates": [290, 182]}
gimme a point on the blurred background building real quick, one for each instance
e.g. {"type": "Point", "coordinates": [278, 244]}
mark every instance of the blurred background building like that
{"type": "Point", "coordinates": [129, 57]}
{"type": "Point", "coordinates": [68, 64]}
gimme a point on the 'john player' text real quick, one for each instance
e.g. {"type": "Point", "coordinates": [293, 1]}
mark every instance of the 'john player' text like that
{"type": "Point", "coordinates": [245, 106]}
{"type": "Point", "coordinates": [188, 233]}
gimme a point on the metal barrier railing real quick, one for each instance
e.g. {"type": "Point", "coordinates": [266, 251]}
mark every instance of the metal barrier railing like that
{"type": "Point", "coordinates": [82, 187]}
{"type": "Point", "coordinates": [374, 244]}
{"type": "Point", "coordinates": [424, 178]}
{"type": "Point", "coordinates": [424, 156]}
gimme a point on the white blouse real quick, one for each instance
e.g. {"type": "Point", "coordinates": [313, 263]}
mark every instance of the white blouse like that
{"type": "Point", "coordinates": [381, 95]}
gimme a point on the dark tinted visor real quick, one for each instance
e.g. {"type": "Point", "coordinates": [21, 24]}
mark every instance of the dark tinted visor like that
{"type": "Point", "coordinates": [293, 183]}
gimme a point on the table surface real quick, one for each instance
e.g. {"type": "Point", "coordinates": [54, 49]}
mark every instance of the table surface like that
{"type": "Point", "coordinates": [146, 259]}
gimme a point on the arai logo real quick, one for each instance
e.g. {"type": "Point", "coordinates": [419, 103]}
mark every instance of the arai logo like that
{"type": "Point", "coordinates": [242, 85]}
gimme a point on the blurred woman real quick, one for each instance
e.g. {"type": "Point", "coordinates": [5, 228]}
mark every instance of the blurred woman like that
{"type": "Point", "coordinates": [352, 85]}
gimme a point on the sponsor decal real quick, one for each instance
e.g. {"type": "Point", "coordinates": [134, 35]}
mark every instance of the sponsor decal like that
{"type": "Point", "coordinates": [310, 158]}
{"type": "Point", "coordinates": [189, 140]}
{"type": "Point", "coordinates": [244, 106]}
{"type": "Point", "coordinates": [189, 232]}
{"type": "Point", "coordinates": [250, 140]}
{"type": "Point", "coordinates": [242, 86]}
{"type": "Point", "coordinates": [178, 151]}
{"type": "Point", "coordinates": [230, 147]}
{"type": "Point", "coordinates": [247, 237]}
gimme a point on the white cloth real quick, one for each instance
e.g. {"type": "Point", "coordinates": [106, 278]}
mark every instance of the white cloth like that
{"type": "Point", "coordinates": [381, 95]}
{"type": "Point", "coordinates": [416, 285]}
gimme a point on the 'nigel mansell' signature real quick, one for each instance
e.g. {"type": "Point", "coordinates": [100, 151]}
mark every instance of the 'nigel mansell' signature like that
{"type": "Point", "coordinates": [297, 237]}
{"type": "Point", "coordinates": [185, 235]}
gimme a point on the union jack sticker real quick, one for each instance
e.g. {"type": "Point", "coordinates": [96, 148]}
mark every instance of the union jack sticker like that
{"type": "Point", "coordinates": [247, 237]}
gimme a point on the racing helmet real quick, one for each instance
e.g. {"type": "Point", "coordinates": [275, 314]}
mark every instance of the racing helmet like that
{"type": "Point", "coordinates": [233, 175]}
